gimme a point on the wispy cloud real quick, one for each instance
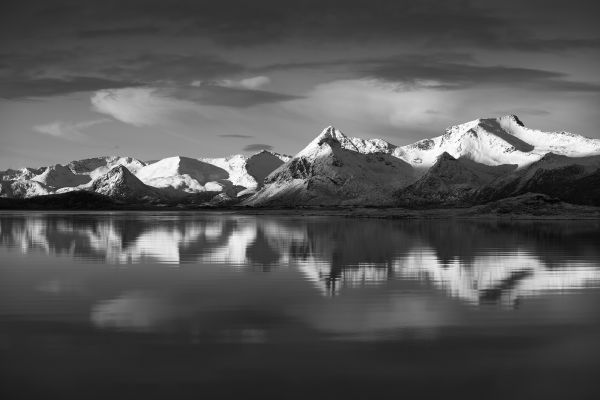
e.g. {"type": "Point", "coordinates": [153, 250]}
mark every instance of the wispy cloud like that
{"type": "Point", "coordinates": [258, 147]}
{"type": "Point", "coordinates": [149, 106]}
{"type": "Point", "coordinates": [522, 111]}
{"type": "Point", "coordinates": [23, 87]}
{"type": "Point", "coordinates": [236, 97]}
{"type": "Point", "coordinates": [139, 106]}
{"type": "Point", "coordinates": [49, 73]}
{"type": "Point", "coordinates": [253, 83]}
{"type": "Point", "coordinates": [68, 130]}
{"type": "Point", "coordinates": [118, 32]}
{"type": "Point", "coordinates": [235, 135]}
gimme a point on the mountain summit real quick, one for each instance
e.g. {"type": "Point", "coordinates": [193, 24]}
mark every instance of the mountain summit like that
{"type": "Point", "coordinates": [120, 184]}
{"type": "Point", "coordinates": [496, 141]}
{"type": "Point", "coordinates": [486, 159]}
{"type": "Point", "coordinates": [333, 170]}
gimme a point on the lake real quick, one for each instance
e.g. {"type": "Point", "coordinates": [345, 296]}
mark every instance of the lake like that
{"type": "Point", "coordinates": [220, 306]}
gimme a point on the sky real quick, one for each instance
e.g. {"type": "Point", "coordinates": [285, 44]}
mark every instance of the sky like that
{"type": "Point", "coordinates": [153, 79]}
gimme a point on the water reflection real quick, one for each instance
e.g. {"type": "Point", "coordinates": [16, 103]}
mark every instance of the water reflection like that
{"type": "Point", "coordinates": [187, 296]}
{"type": "Point", "coordinates": [479, 262]}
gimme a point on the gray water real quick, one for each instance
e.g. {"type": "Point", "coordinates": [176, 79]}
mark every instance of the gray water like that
{"type": "Point", "coordinates": [207, 305]}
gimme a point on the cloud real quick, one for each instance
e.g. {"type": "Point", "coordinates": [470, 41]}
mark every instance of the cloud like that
{"type": "Point", "coordinates": [522, 111]}
{"type": "Point", "coordinates": [140, 107]}
{"type": "Point", "coordinates": [217, 95]}
{"type": "Point", "coordinates": [151, 106]}
{"type": "Point", "coordinates": [486, 23]}
{"type": "Point", "coordinates": [325, 21]}
{"type": "Point", "coordinates": [52, 73]}
{"type": "Point", "coordinates": [421, 71]}
{"type": "Point", "coordinates": [258, 147]}
{"type": "Point", "coordinates": [118, 32]}
{"type": "Point", "coordinates": [132, 310]}
{"type": "Point", "coordinates": [247, 83]}
{"type": "Point", "coordinates": [43, 87]}
{"type": "Point", "coordinates": [555, 44]}
{"type": "Point", "coordinates": [371, 108]}
{"type": "Point", "coordinates": [457, 70]}
{"type": "Point", "coordinates": [234, 135]}
{"type": "Point", "coordinates": [369, 103]}
{"type": "Point", "coordinates": [68, 130]}
{"type": "Point", "coordinates": [152, 67]}
{"type": "Point", "coordinates": [233, 93]}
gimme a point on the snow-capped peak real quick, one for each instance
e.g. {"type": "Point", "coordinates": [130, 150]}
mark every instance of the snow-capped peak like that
{"type": "Point", "coordinates": [120, 183]}
{"type": "Point", "coordinates": [178, 165]}
{"type": "Point", "coordinates": [98, 166]}
{"type": "Point", "coordinates": [184, 174]}
{"type": "Point", "coordinates": [333, 133]}
{"type": "Point", "coordinates": [335, 137]}
{"type": "Point", "coordinates": [332, 163]}
{"type": "Point", "coordinates": [512, 119]}
{"type": "Point", "coordinates": [496, 141]}
{"type": "Point", "coordinates": [330, 136]}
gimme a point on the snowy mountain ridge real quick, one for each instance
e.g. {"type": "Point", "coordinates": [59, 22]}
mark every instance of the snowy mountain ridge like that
{"type": "Point", "coordinates": [496, 141]}
{"type": "Point", "coordinates": [334, 169]}
{"type": "Point", "coordinates": [174, 177]}
{"type": "Point", "coordinates": [446, 169]}
{"type": "Point", "coordinates": [480, 160]}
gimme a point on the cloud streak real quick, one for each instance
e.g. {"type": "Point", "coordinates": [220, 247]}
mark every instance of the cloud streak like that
{"type": "Point", "coordinates": [421, 71]}
{"type": "Point", "coordinates": [529, 26]}
{"type": "Point", "coordinates": [22, 88]}
{"type": "Point", "coordinates": [139, 107]}
{"type": "Point", "coordinates": [253, 83]}
{"type": "Point", "coordinates": [118, 32]}
{"type": "Point", "coordinates": [51, 73]}
{"type": "Point", "coordinates": [236, 97]}
{"type": "Point", "coordinates": [155, 106]}
{"type": "Point", "coordinates": [258, 147]}
{"type": "Point", "coordinates": [441, 71]}
{"type": "Point", "coordinates": [68, 130]}
{"type": "Point", "coordinates": [236, 136]}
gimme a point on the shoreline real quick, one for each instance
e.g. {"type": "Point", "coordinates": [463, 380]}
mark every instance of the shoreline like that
{"type": "Point", "coordinates": [532, 206]}
{"type": "Point", "coordinates": [575, 212]}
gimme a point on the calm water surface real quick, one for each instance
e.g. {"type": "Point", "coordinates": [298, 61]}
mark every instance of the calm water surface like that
{"type": "Point", "coordinates": [192, 305]}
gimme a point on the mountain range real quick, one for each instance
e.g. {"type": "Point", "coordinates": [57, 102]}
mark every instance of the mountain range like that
{"type": "Point", "coordinates": [483, 160]}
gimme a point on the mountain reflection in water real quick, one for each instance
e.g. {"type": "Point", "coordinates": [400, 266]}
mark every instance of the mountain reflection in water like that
{"type": "Point", "coordinates": [177, 305]}
{"type": "Point", "coordinates": [479, 262]}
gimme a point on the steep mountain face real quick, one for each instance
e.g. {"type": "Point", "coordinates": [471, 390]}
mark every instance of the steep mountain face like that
{"type": "Point", "coordinates": [98, 166]}
{"type": "Point", "coordinates": [450, 182]}
{"type": "Point", "coordinates": [260, 165]}
{"type": "Point", "coordinates": [572, 179]}
{"type": "Point", "coordinates": [77, 175]}
{"type": "Point", "coordinates": [58, 176]}
{"type": "Point", "coordinates": [496, 141]}
{"type": "Point", "coordinates": [21, 189]}
{"type": "Point", "coordinates": [20, 174]}
{"type": "Point", "coordinates": [120, 184]}
{"type": "Point", "coordinates": [248, 172]}
{"type": "Point", "coordinates": [331, 170]}
{"type": "Point", "coordinates": [177, 177]}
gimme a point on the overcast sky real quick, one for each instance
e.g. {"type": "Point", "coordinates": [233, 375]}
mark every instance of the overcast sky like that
{"type": "Point", "coordinates": [153, 79]}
